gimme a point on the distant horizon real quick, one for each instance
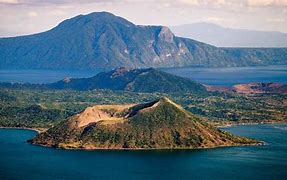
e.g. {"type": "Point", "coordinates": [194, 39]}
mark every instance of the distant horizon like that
{"type": "Point", "coordinates": [169, 26]}
{"type": "Point", "coordinates": [24, 17]}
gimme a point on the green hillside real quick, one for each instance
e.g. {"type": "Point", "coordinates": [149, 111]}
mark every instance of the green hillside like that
{"type": "Point", "coordinates": [135, 80]}
{"type": "Point", "coordinates": [160, 124]}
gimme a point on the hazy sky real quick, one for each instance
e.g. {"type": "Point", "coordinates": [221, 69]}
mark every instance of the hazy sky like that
{"type": "Point", "coordinates": [20, 17]}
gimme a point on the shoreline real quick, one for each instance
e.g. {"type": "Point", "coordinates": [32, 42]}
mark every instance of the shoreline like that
{"type": "Point", "coordinates": [230, 124]}
{"type": "Point", "coordinates": [38, 130]}
{"type": "Point", "coordinates": [259, 143]}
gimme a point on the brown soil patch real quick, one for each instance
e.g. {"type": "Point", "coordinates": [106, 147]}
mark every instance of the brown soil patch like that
{"type": "Point", "coordinates": [98, 113]}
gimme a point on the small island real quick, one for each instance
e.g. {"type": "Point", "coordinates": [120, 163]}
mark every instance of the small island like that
{"type": "Point", "coordinates": [161, 124]}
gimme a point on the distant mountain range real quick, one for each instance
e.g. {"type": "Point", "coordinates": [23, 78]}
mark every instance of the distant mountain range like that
{"type": "Point", "coordinates": [135, 80]}
{"type": "Point", "coordinates": [161, 124]}
{"type": "Point", "coordinates": [103, 40]}
{"type": "Point", "coordinates": [227, 37]}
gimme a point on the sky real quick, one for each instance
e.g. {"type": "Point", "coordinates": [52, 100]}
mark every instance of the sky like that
{"type": "Point", "coordinates": [21, 17]}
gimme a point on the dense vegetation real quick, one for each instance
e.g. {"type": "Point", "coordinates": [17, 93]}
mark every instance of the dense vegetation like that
{"type": "Point", "coordinates": [102, 40]}
{"type": "Point", "coordinates": [135, 80]}
{"type": "Point", "coordinates": [31, 116]}
{"type": "Point", "coordinates": [18, 106]}
{"type": "Point", "coordinates": [55, 105]}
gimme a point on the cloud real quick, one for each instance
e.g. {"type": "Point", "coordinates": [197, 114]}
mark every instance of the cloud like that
{"type": "Point", "coordinates": [189, 2]}
{"type": "Point", "coordinates": [182, 3]}
{"type": "Point", "coordinates": [32, 14]}
{"type": "Point", "coordinates": [40, 15]}
{"type": "Point", "coordinates": [265, 3]}
{"type": "Point", "coordinates": [195, 2]}
{"type": "Point", "coordinates": [225, 3]}
{"type": "Point", "coordinates": [213, 19]}
{"type": "Point", "coordinates": [9, 1]}
{"type": "Point", "coordinates": [275, 20]}
{"type": "Point", "coordinates": [53, 2]}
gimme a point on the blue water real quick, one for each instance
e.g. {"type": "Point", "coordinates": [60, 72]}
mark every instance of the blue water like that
{"type": "Point", "coordinates": [42, 76]}
{"type": "Point", "coordinates": [231, 76]}
{"type": "Point", "coordinates": [19, 160]}
{"type": "Point", "coordinates": [211, 76]}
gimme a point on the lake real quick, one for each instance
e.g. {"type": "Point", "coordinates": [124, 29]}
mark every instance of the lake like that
{"type": "Point", "coordinates": [231, 76]}
{"type": "Point", "coordinates": [41, 76]}
{"type": "Point", "coordinates": [20, 160]}
{"type": "Point", "coordinates": [210, 76]}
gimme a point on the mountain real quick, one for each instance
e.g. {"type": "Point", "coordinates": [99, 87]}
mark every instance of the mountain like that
{"type": "Point", "coordinates": [103, 40]}
{"type": "Point", "coordinates": [252, 88]}
{"type": "Point", "coordinates": [226, 37]}
{"type": "Point", "coordinates": [136, 80]}
{"type": "Point", "coordinates": [161, 124]}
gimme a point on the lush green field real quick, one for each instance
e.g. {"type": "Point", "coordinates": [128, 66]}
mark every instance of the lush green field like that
{"type": "Point", "coordinates": [44, 108]}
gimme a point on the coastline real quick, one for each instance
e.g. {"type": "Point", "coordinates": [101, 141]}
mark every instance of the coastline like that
{"type": "Point", "coordinates": [230, 124]}
{"type": "Point", "coordinates": [38, 130]}
{"type": "Point", "coordinates": [217, 125]}
{"type": "Point", "coordinates": [259, 143]}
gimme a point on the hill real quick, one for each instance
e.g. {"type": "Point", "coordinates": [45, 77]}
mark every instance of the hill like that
{"type": "Point", "coordinates": [103, 40]}
{"type": "Point", "coordinates": [227, 37]}
{"type": "Point", "coordinates": [161, 124]}
{"type": "Point", "coordinates": [135, 80]}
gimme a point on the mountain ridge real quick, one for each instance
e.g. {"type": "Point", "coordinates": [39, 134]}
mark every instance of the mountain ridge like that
{"type": "Point", "coordinates": [219, 36]}
{"type": "Point", "coordinates": [102, 40]}
{"type": "Point", "coordinates": [148, 80]}
{"type": "Point", "coordinates": [135, 80]}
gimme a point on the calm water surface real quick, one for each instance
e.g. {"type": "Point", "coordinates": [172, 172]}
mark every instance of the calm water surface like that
{"type": "Point", "coordinates": [42, 76]}
{"type": "Point", "coordinates": [19, 160]}
{"type": "Point", "coordinates": [231, 76]}
{"type": "Point", "coordinates": [211, 76]}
